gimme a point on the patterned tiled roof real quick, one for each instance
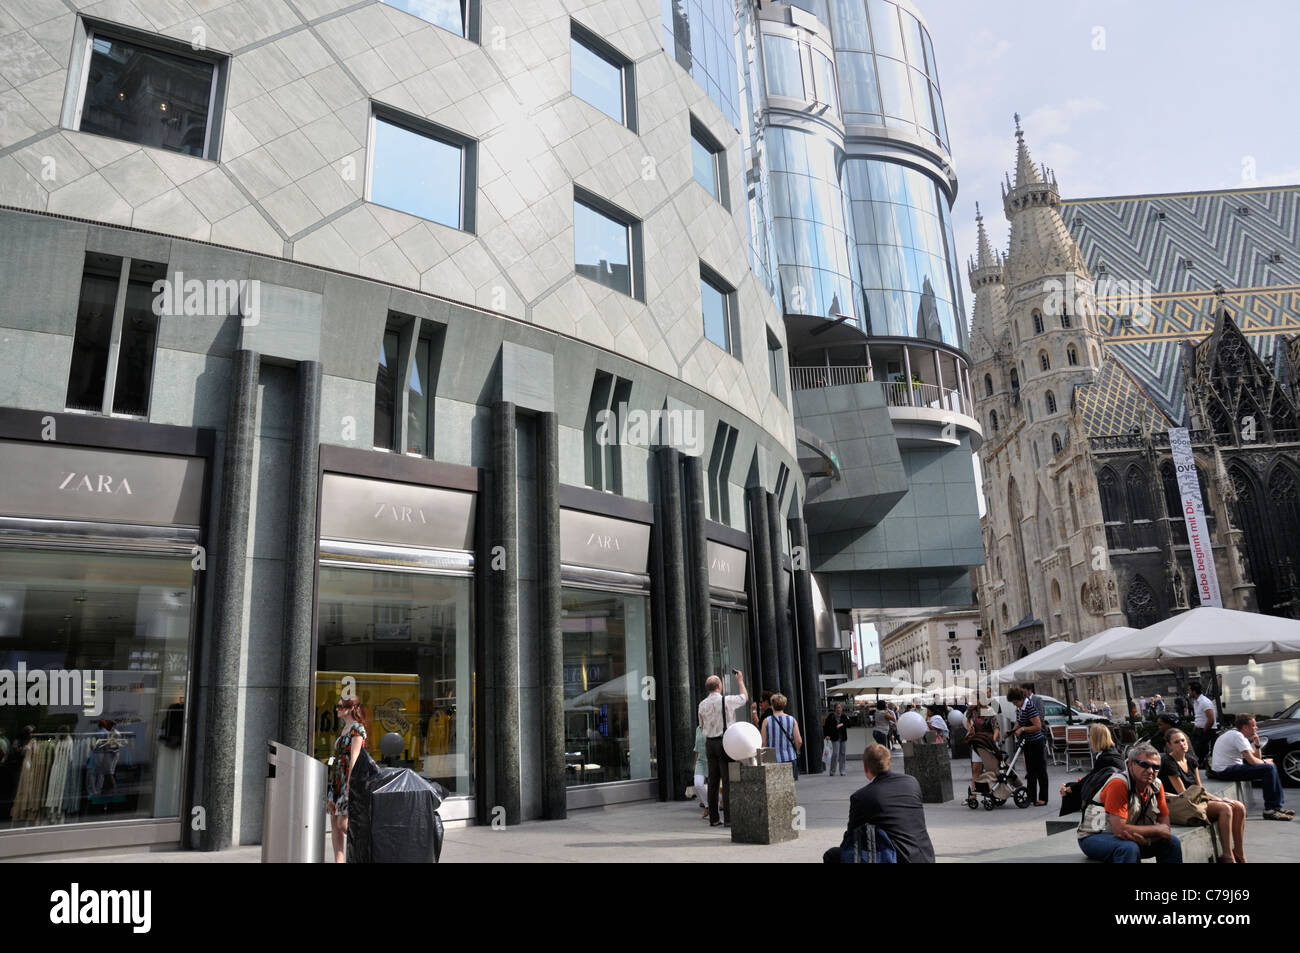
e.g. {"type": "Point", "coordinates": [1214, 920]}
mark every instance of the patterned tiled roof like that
{"type": "Point", "coordinates": [1152, 238]}
{"type": "Point", "coordinates": [1115, 403]}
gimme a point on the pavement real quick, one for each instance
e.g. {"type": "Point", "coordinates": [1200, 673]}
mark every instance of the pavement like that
{"type": "Point", "coordinates": [654, 832]}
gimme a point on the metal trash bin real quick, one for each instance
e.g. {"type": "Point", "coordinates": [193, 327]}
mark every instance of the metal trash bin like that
{"type": "Point", "coordinates": [293, 831]}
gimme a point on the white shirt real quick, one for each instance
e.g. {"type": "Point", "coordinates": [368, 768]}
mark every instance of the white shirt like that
{"type": "Point", "coordinates": [1228, 750]}
{"type": "Point", "coordinates": [711, 713]}
{"type": "Point", "coordinates": [1201, 706]}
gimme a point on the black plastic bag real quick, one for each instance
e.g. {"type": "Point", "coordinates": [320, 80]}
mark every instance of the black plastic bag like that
{"type": "Point", "coordinates": [392, 815]}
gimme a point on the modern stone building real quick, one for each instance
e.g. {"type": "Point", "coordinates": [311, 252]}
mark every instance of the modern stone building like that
{"type": "Point", "coordinates": [1084, 363]}
{"type": "Point", "coordinates": [440, 353]}
{"type": "Point", "coordinates": [946, 649]}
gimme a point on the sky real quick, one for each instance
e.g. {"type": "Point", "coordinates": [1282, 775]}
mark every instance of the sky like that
{"type": "Point", "coordinates": [1118, 97]}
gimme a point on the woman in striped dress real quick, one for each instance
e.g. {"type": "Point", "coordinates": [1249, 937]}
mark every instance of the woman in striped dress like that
{"type": "Point", "coordinates": [781, 732]}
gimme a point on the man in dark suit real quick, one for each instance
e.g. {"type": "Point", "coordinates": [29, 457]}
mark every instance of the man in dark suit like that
{"type": "Point", "coordinates": [892, 802]}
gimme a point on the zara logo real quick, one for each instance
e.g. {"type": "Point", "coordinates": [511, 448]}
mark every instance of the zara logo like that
{"type": "Point", "coordinates": [721, 565]}
{"type": "Point", "coordinates": [604, 541]}
{"type": "Point", "coordinates": [96, 483]}
{"type": "Point", "coordinates": [400, 514]}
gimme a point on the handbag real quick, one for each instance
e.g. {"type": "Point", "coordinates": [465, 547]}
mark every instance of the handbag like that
{"type": "Point", "coordinates": [1188, 809]}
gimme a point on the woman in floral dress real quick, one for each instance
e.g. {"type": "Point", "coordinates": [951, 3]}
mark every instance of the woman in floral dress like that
{"type": "Point", "coordinates": [347, 748]}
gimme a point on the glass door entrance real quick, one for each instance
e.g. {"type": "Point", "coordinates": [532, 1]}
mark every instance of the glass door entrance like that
{"type": "Point", "coordinates": [729, 646]}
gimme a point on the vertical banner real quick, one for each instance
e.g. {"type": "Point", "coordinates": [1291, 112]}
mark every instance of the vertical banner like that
{"type": "Point", "coordinates": [1198, 536]}
{"type": "Point", "coordinates": [855, 653]}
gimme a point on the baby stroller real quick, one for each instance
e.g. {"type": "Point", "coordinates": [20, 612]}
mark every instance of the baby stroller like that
{"type": "Point", "coordinates": [998, 781]}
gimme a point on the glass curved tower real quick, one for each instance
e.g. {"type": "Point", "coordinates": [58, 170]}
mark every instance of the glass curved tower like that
{"type": "Point", "coordinates": [854, 179]}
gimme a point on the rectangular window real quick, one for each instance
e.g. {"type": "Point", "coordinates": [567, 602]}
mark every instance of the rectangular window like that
{"type": "Point", "coordinates": [776, 366]}
{"type": "Point", "coordinates": [609, 726]}
{"type": "Point", "coordinates": [724, 449]}
{"type": "Point", "coordinates": [606, 244]}
{"type": "Point", "coordinates": [709, 161]}
{"type": "Point", "coordinates": [148, 94]}
{"type": "Point", "coordinates": [419, 401]}
{"type": "Point", "coordinates": [599, 75]}
{"type": "Point", "coordinates": [718, 306]}
{"type": "Point", "coordinates": [406, 638]}
{"type": "Point", "coordinates": [451, 15]}
{"type": "Point", "coordinates": [602, 456]}
{"type": "Point", "coordinates": [421, 169]}
{"type": "Point", "coordinates": [124, 619]}
{"type": "Point", "coordinates": [386, 393]}
{"type": "Point", "coordinates": [115, 338]}
{"type": "Point", "coordinates": [782, 66]}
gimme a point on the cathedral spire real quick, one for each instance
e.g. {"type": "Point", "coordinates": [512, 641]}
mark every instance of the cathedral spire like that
{"type": "Point", "coordinates": [986, 267]}
{"type": "Point", "coordinates": [1040, 242]}
{"type": "Point", "coordinates": [1026, 173]}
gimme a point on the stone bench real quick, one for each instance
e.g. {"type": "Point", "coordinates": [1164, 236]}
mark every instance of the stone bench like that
{"type": "Point", "coordinates": [1199, 844]}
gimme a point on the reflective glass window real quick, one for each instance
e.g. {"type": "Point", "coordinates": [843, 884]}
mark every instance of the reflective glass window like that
{"type": "Point", "coordinates": [884, 28]}
{"type": "Point", "coordinates": [784, 72]}
{"type": "Point", "coordinates": [419, 402]}
{"type": "Point", "coordinates": [448, 14]}
{"type": "Point", "coordinates": [824, 78]}
{"type": "Point", "coordinates": [609, 726]}
{"type": "Point", "coordinates": [921, 99]}
{"type": "Point", "coordinates": [705, 162]}
{"type": "Point", "coordinates": [912, 40]}
{"type": "Point", "coordinates": [417, 173]}
{"type": "Point", "coordinates": [931, 67]}
{"type": "Point", "coordinates": [386, 393]}
{"type": "Point", "coordinates": [148, 96]}
{"type": "Point", "coordinates": [90, 343]}
{"type": "Point", "coordinates": [894, 89]}
{"type": "Point", "coordinates": [715, 304]}
{"type": "Point", "coordinates": [105, 742]}
{"type": "Point", "coordinates": [596, 79]}
{"type": "Point", "coordinates": [135, 356]}
{"type": "Point", "coordinates": [850, 23]}
{"type": "Point", "coordinates": [602, 248]}
{"type": "Point", "coordinates": [406, 639]}
{"type": "Point", "coordinates": [698, 34]}
{"type": "Point", "coordinates": [860, 94]}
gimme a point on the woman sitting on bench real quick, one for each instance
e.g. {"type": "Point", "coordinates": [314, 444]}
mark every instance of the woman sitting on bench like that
{"type": "Point", "coordinates": [1182, 778]}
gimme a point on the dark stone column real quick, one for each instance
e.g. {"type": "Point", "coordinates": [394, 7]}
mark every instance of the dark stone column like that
{"type": "Point", "coordinates": [676, 615]}
{"type": "Point", "coordinates": [759, 534]}
{"type": "Point", "coordinates": [780, 603]}
{"type": "Point", "coordinates": [300, 563]}
{"type": "Point", "coordinates": [505, 615]}
{"type": "Point", "coordinates": [551, 656]}
{"type": "Point", "coordinates": [228, 567]}
{"type": "Point", "coordinates": [807, 620]}
{"type": "Point", "coordinates": [698, 572]}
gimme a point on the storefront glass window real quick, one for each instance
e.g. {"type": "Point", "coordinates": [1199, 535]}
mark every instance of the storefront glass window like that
{"type": "Point", "coordinates": [94, 667]}
{"type": "Point", "coordinates": [729, 647]}
{"type": "Point", "coordinates": [609, 724]}
{"type": "Point", "coordinates": [406, 638]}
{"type": "Point", "coordinates": [419, 398]}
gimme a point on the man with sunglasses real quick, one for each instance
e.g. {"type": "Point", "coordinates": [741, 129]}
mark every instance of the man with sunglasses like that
{"type": "Point", "coordinates": [1128, 818]}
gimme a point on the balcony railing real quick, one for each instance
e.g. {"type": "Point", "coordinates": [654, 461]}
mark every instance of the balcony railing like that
{"type": "Point", "coordinates": [836, 375]}
{"type": "Point", "coordinates": [897, 393]}
{"type": "Point", "coordinates": [1199, 438]}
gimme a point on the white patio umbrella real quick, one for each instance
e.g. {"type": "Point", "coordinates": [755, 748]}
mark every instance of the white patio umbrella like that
{"type": "Point", "coordinates": [1095, 646]}
{"type": "Point", "coordinates": [876, 683]}
{"type": "Point", "coordinates": [1201, 636]}
{"type": "Point", "coordinates": [1045, 663]}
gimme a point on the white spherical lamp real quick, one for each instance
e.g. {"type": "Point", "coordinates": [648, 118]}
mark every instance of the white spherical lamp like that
{"type": "Point", "coordinates": [955, 718]}
{"type": "Point", "coordinates": [911, 726]}
{"type": "Point", "coordinates": [741, 741]}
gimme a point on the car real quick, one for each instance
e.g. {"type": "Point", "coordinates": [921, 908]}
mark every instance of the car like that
{"type": "Point", "coordinates": [1053, 710]}
{"type": "Point", "coordinates": [1280, 736]}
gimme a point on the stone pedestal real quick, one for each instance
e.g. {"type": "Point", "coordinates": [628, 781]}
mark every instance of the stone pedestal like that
{"type": "Point", "coordinates": [762, 803]}
{"type": "Point", "coordinates": [931, 765]}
